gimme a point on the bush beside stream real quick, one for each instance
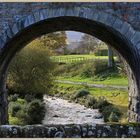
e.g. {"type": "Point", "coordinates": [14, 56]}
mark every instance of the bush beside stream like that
{"type": "Point", "coordinates": [110, 112]}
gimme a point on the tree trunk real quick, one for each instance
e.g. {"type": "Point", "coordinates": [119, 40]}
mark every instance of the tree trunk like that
{"type": "Point", "coordinates": [110, 58]}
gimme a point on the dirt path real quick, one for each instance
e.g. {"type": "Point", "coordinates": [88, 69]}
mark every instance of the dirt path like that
{"type": "Point", "coordinates": [60, 111]}
{"type": "Point", "coordinates": [93, 85]}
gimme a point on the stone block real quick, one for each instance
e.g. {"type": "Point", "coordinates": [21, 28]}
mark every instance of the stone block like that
{"type": "Point", "coordinates": [2, 43]}
{"type": "Point", "coordinates": [135, 38]}
{"type": "Point", "coordinates": [73, 131]}
{"type": "Point", "coordinates": [8, 131]}
{"type": "Point", "coordinates": [130, 33]}
{"type": "Point", "coordinates": [111, 20]}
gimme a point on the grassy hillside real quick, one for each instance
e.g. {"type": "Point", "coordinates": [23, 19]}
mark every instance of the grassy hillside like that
{"type": "Point", "coordinates": [92, 70]}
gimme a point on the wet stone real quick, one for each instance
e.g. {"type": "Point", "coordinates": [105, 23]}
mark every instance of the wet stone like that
{"type": "Point", "coordinates": [92, 131]}
{"type": "Point", "coordinates": [70, 131]}
{"type": "Point", "coordinates": [88, 115]}
{"type": "Point", "coordinates": [84, 129]}
{"type": "Point", "coordinates": [55, 116]}
{"type": "Point", "coordinates": [73, 131]}
{"type": "Point", "coordinates": [8, 131]}
{"type": "Point", "coordinates": [98, 117]}
{"type": "Point", "coordinates": [55, 131]}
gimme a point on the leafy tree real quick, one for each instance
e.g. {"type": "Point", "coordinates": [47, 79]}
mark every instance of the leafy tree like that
{"type": "Point", "coordinates": [88, 44]}
{"type": "Point", "coordinates": [54, 41]}
{"type": "Point", "coordinates": [31, 71]}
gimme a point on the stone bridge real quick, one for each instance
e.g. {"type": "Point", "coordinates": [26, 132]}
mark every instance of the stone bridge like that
{"type": "Point", "coordinates": [117, 24]}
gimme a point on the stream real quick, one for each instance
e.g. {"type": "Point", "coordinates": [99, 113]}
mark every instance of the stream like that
{"type": "Point", "coordinates": [60, 111]}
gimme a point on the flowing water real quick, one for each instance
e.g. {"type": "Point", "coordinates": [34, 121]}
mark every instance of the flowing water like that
{"type": "Point", "coordinates": [59, 111]}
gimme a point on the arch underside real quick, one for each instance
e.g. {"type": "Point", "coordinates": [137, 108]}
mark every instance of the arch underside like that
{"type": "Point", "coordinates": [116, 37]}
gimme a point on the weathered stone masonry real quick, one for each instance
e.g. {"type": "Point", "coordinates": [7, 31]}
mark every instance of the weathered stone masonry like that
{"type": "Point", "coordinates": [117, 24]}
{"type": "Point", "coordinates": [70, 131]}
{"type": "Point", "coordinates": [12, 12]}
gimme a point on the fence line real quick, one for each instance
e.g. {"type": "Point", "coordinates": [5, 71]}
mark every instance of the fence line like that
{"type": "Point", "coordinates": [71, 60]}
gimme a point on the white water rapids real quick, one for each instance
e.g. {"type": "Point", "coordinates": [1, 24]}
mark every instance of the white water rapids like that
{"type": "Point", "coordinates": [59, 111]}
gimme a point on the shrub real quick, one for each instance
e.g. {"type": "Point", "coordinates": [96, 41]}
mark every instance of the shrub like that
{"type": "Point", "coordinates": [22, 116]}
{"type": "Point", "coordinates": [15, 109]}
{"type": "Point", "coordinates": [21, 101]}
{"type": "Point", "coordinates": [13, 97]}
{"type": "Point", "coordinates": [29, 97]}
{"type": "Point", "coordinates": [39, 96]}
{"type": "Point", "coordinates": [91, 102]}
{"type": "Point", "coordinates": [108, 73]}
{"type": "Point", "coordinates": [36, 112]}
{"type": "Point", "coordinates": [102, 102]}
{"type": "Point", "coordinates": [99, 66]}
{"type": "Point", "coordinates": [82, 101]}
{"type": "Point", "coordinates": [107, 110]}
{"type": "Point", "coordinates": [116, 111]}
{"type": "Point", "coordinates": [81, 93]}
{"type": "Point", "coordinates": [113, 117]}
{"type": "Point", "coordinates": [92, 68]}
{"type": "Point", "coordinates": [14, 120]}
{"type": "Point", "coordinates": [87, 73]}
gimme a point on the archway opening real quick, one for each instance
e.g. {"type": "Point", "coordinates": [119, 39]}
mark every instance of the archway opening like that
{"type": "Point", "coordinates": [86, 62]}
{"type": "Point", "coordinates": [106, 34]}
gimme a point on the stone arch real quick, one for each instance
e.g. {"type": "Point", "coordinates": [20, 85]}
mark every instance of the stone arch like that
{"type": "Point", "coordinates": [106, 27]}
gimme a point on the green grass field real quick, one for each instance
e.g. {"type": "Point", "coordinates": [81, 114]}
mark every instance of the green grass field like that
{"type": "Point", "coordinates": [122, 81]}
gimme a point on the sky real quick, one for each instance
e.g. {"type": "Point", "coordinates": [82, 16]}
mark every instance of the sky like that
{"type": "Point", "coordinates": [74, 36]}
